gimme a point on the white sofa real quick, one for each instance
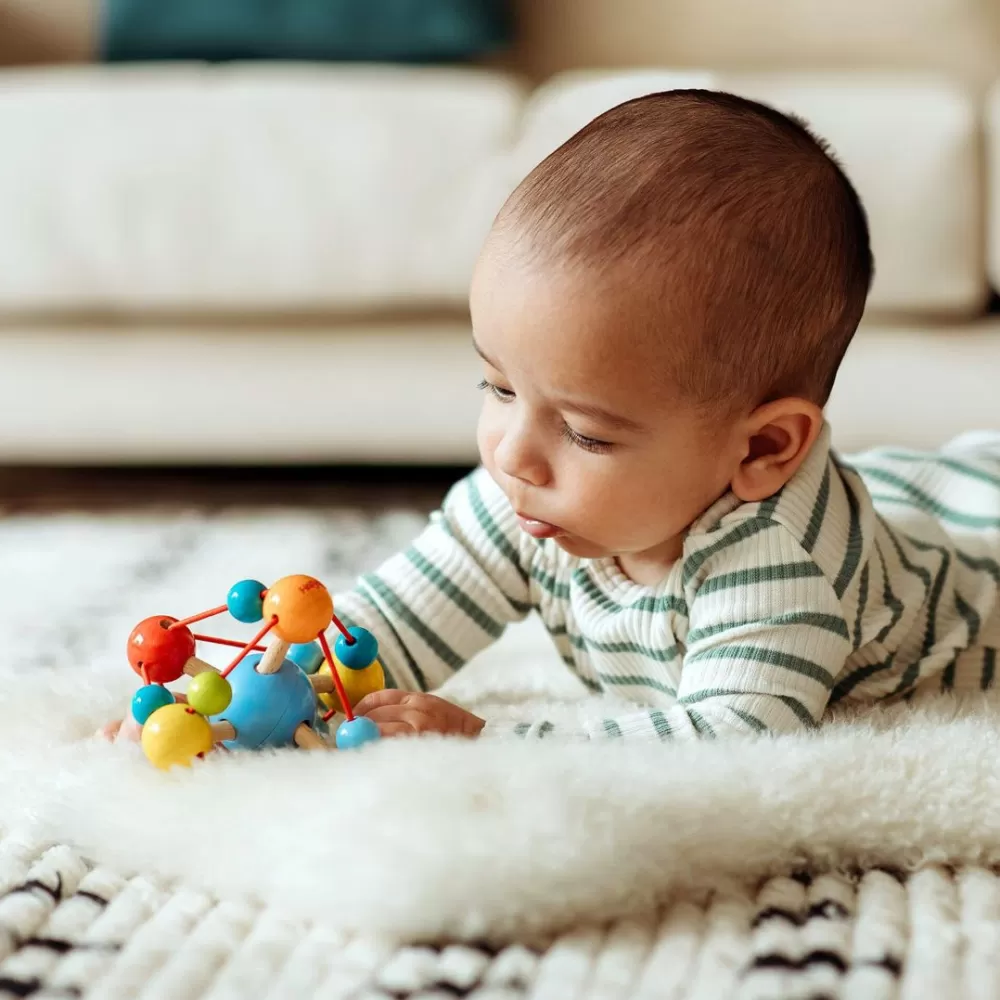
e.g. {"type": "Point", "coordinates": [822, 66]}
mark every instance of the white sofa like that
{"type": "Point", "coordinates": [268, 263]}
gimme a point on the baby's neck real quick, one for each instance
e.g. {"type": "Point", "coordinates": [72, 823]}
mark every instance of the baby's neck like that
{"type": "Point", "coordinates": [650, 567]}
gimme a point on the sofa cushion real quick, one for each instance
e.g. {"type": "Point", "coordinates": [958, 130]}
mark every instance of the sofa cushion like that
{"type": "Point", "coordinates": [908, 143]}
{"type": "Point", "coordinates": [246, 187]}
{"type": "Point", "coordinates": [992, 170]}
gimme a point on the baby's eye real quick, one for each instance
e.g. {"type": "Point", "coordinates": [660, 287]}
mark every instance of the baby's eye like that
{"type": "Point", "coordinates": [586, 443]}
{"type": "Point", "coordinates": [504, 395]}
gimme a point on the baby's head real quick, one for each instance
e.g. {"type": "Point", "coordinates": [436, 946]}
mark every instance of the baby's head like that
{"type": "Point", "coordinates": [662, 306]}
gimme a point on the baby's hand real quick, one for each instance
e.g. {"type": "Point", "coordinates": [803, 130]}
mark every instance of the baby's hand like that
{"type": "Point", "coordinates": [125, 730]}
{"type": "Point", "coordinates": [407, 713]}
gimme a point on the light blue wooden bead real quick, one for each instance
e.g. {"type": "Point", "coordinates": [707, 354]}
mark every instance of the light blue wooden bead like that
{"type": "Point", "coordinates": [361, 653]}
{"type": "Point", "coordinates": [267, 708]}
{"type": "Point", "coordinates": [244, 601]}
{"type": "Point", "coordinates": [147, 700]}
{"type": "Point", "coordinates": [308, 656]}
{"type": "Point", "coordinates": [356, 733]}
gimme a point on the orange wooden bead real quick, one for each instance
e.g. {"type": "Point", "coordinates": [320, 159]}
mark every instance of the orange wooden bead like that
{"type": "Point", "coordinates": [302, 605]}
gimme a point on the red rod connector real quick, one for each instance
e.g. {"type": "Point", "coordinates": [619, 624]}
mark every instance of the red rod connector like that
{"type": "Point", "coordinates": [248, 648]}
{"type": "Point", "coordinates": [197, 618]}
{"type": "Point", "coordinates": [337, 682]}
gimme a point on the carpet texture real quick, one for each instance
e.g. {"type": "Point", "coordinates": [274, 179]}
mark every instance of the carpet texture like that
{"type": "Point", "coordinates": [853, 862]}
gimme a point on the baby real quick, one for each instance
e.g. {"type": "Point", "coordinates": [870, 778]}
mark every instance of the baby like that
{"type": "Point", "coordinates": [661, 308]}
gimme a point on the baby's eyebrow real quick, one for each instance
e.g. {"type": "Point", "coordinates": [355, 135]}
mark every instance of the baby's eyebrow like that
{"type": "Point", "coordinates": [484, 355]}
{"type": "Point", "coordinates": [613, 421]}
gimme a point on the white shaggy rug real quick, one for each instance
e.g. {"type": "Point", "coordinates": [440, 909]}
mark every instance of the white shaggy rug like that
{"type": "Point", "coordinates": [686, 849]}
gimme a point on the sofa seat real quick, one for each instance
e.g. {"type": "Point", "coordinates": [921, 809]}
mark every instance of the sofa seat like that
{"type": "Point", "coordinates": [389, 392]}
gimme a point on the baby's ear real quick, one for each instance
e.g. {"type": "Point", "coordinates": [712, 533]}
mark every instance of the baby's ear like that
{"type": "Point", "coordinates": [778, 438]}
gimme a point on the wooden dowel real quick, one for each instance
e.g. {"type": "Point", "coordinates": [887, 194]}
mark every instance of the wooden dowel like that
{"type": "Point", "coordinates": [194, 666]}
{"type": "Point", "coordinates": [223, 731]}
{"type": "Point", "coordinates": [322, 683]}
{"type": "Point", "coordinates": [270, 662]}
{"type": "Point", "coordinates": [307, 738]}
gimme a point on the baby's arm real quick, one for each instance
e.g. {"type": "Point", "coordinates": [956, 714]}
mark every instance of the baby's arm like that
{"type": "Point", "coordinates": [450, 594]}
{"type": "Point", "coordinates": [436, 604]}
{"type": "Point", "coordinates": [766, 639]}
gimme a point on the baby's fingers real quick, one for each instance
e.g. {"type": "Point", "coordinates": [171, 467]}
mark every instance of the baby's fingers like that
{"type": "Point", "coordinates": [379, 699]}
{"type": "Point", "coordinates": [125, 730]}
{"type": "Point", "coordinates": [396, 713]}
{"type": "Point", "coordinates": [109, 731]}
{"type": "Point", "coordinates": [129, 731]}
{"type": "Point", "coordinates": [389, 729]}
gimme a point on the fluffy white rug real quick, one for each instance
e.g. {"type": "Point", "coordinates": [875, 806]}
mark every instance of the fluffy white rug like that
{"type": "Point", "coordinates": [500, 838]}
{"type": "Point", "coordinates": [433, 837]}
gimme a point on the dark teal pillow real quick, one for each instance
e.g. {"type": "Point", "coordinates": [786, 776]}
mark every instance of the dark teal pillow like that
{"type": "Point", "coordinates": [369, 30]}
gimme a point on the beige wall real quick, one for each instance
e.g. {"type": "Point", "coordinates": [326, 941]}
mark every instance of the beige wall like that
{"type": "Point", "coordinates": [46, 30]}
{"type": "Point", "coordinates": [955, 36]}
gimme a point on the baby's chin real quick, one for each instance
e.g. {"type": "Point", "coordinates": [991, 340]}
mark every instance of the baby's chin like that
{"type": "Point", "coordinates": [581, 548]}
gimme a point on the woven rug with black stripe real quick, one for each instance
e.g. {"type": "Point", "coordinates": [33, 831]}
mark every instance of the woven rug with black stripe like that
{"type": "Point", "coordinates": [854, 862]}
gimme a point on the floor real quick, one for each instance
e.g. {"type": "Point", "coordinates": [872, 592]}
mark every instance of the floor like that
{"type": "Point", "coordinates": [102, 490]}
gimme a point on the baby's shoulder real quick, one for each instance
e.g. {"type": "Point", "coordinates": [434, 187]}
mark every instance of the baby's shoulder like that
{"type": "Point", "coordinates": [819, 524]}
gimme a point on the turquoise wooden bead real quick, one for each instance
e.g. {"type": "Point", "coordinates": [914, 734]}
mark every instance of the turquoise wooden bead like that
{"type": "Point", "coordinates": [245, 602]}
{"type": "Point", "coordinates": [307, 655]}
{"type": "Point", "coordinates": [361, 653]}
{"type": "Point", "coordinates": [356, 732]}
{"type": "Point", "coordinates": [147, 700]}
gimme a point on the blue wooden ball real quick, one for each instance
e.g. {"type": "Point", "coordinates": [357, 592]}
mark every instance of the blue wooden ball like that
{"type": "Point", "coordinates": [267, 708]}
{"type": "Point", "coordinates": [361, 653]}
{"type": "Point", "coordinates": [147, 700]}
{"type": "Point", "coordinates": [244, 601]}
{"type": "Point", "coordinates": [308, 656]}
{"type": "Point", "coordinates": [356, 732]}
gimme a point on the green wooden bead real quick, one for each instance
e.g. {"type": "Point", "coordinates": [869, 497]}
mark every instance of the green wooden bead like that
{"type": "Point", "coordinates": [209, 693]}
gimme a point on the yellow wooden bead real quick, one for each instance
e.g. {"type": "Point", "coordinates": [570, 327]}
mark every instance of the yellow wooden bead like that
{"type": "Point", "coordinates": [357, 683]}
{"type": "Point", "coordinates": [174, 735]}
{"type": "Point", "coordinates": [303, 606]}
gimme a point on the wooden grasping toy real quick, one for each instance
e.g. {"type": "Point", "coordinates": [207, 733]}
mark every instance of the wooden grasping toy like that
{"type": "Point", "coordinates": [269, 696]}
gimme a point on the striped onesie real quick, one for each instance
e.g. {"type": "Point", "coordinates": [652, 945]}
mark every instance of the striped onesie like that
{"type": "Point", "coordinates": [861, 580]}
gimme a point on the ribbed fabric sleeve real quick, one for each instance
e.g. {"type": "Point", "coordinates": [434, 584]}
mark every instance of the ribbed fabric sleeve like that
{"type": "Point", "coordinates": [450, 594]}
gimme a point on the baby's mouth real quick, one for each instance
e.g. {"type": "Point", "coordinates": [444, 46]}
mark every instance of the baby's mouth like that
{"type": "Point", "coordinates": [538, 529]}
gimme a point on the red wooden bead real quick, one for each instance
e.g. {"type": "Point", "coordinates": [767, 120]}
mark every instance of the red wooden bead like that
{"type": "Point", "coordinates": [158, 651]}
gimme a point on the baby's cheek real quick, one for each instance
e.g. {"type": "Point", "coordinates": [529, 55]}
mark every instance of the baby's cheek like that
{"type": "Point", "coordinates": [633, 506]}
{"type": "Point", "coordinates": [488, 437]}
{"type": "Point", "coordinates": [598, 496]}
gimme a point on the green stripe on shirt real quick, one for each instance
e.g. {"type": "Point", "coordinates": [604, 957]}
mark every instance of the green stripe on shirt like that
{"type": "Point", "coordinates": [928, 504]}
{"type": "Point", "coordinates": [411, 620]}
{"type": "Point", "coordinates": [455, 594]}
{"type": "Point", "coordinates": [828, 623]}
{"type": "Point", "coordinates": [760, 574]}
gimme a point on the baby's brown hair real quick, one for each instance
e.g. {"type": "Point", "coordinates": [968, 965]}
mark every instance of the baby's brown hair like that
{"type": "Point", "coordinates": [725, 216]}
